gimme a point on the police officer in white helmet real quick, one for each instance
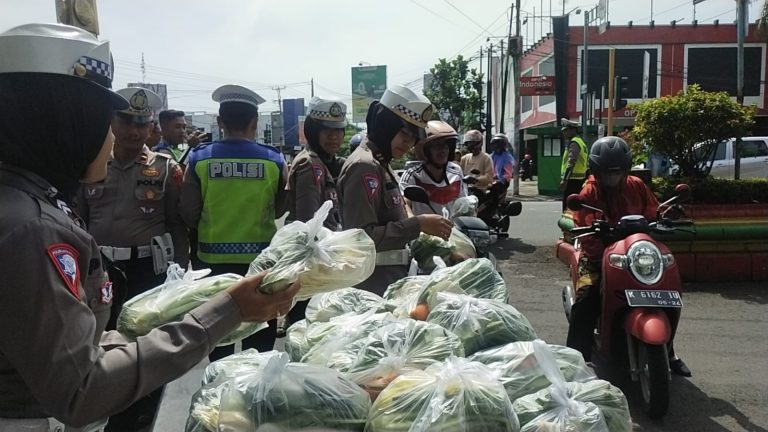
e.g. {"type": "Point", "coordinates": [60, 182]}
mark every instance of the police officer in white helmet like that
{"type": "Point", "coordinates": [57, 365]}
{"type": "Point", "coordinates": [369, 190]}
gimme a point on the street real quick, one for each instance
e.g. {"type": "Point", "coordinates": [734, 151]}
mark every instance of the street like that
{"type": "Point", "coordinates": [721, 335]}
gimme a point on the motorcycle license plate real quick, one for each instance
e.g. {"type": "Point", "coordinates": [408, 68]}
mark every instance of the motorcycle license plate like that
{"type": "Point", "coordinates": [654, 298]}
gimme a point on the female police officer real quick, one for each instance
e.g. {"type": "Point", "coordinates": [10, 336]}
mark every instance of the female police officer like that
{"type": "Point", "coordinates": [369, 190]}
{"type": "Point", "coordinates": [55, 297]}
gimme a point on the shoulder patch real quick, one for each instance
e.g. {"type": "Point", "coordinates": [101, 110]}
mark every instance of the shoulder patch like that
{"type": "Point", "coordinates": [64, 258]}
{"type": "Point", "coordinates": [177, 175]}
{"type": "Point", "coordinates": [317, 171]}
{"type": "Point", "coordinates": [372, 183]}
{"type": "Point", "coordinates": [106, 293]}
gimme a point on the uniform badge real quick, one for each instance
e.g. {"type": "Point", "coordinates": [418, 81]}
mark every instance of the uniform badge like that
{"type": "Point", "coordinates": [64, 258]}
{"type": "Point", "coordinates": [317, 170]}
{"type": "Point", "coordinates": [372, 184]}
{"type": "Point", "coordinates": [91, 191]}
{"type": "Point", "coordinates": [147, 210]}
{"type": "Point", "coordinates": [397, 200]}
{"type": "Point", "coordinates": [106, 293]}
{"type": "Point", "coordinates": [149, 194]}
{"type": "Point", "coordinates": [335, 110]}
{"type": "Point", "coordinates": [150, 172]}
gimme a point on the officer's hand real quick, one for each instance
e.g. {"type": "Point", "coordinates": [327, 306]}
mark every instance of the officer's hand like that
{"type": "Point", "coordinates": [257, 306]}
{"type": "Point", "coordinates": [435, 225]}
{"type": "Point", "coordinates": [194, 139]}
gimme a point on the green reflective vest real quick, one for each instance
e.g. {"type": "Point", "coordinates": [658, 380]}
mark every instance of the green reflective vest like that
{"type": "Point", "coordinates": [580, 168]}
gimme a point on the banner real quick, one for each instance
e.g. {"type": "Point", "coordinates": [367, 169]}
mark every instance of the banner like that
{"type": "Point", "coordinates": [368, 84]}
{"type": "Point", "coordinates": [537, 85]}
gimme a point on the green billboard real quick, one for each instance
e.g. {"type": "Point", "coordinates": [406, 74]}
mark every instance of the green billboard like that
{"type": "Point", "coordinates": [368, 84]}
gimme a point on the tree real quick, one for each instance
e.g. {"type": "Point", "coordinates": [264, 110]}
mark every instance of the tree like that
{"type": "Point", "coordinates": [762, 20]}
{"type": "Point", "coordinates": [688, 126]}
{"type": "Point", "coordinates": [456, 92]}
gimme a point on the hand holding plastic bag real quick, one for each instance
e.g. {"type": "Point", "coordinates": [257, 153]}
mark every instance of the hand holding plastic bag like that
{"type": "Point", "coordinates": [452, 396]}
{"type": "Point", "coordinates": [323, 307]}
{"type": "Point", "coordinates": [593, 406]}
{"type": "Point", "coordinates": [457, 248]}
{"type": "Point", "coordinates": [321, 259]}
{"type": "Point", "coordinates": [480, 323]}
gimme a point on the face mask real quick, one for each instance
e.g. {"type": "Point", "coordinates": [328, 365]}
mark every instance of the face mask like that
{"type": "Point", "coordinates": [611, 180]}
{"type": "Point", "coordinates": [97, 169]}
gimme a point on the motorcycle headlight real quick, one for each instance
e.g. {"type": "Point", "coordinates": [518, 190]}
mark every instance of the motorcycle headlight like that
{"type": "Point", "coordinates": [645, 262]}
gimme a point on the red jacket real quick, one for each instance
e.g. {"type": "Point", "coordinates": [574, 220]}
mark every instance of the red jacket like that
{"type": "Point", "coordinates": [634, 198]}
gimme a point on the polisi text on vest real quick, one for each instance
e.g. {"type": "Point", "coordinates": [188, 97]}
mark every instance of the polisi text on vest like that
{"type": "Point", "coordinates": [248, 170]}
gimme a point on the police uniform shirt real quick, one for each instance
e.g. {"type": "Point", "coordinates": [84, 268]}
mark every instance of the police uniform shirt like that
{"type": "Point", "coordinates": [54, 360]}
{"type": "Point", "coordinates": [138, 200]}
{"type": "Point", "coordinates": [309, 185]}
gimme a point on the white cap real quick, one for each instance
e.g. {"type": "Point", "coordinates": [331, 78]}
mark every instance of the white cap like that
{"type": "Point", "coordinates": [331, 113]}
{"type": "Point", "coordinates": [58, 49]}
{"type": "Point", "coordinates": [236, 93]}
{"type": "Point", "coordinates": [412, 107]}
{"type": "Point", "coordinates": [565, 123]}
{"type": "Point", "coordinates": [141, 103]}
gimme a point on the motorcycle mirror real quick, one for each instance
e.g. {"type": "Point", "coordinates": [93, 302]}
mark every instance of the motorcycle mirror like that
{"type": "Point", "coordinates": [416, 194]}
{"type": "Point", "coordinates": [683, 192]}
{"type": "Point", "coordinates": [475, 171]}
{"type": "Point", "coordinates": [574, 202]}
{"type": "Point", "coordinates": [513, 209]}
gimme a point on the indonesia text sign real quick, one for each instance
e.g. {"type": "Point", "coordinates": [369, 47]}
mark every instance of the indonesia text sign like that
{"type": "Point", "coordinates": [537, 85]}
{"type": "Point", "coordinates": [368, 84]}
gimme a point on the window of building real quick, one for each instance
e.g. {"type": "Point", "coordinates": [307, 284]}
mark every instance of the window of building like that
{"type": "Point", "coordinates": [526, 102]}
{"type": "Point", "coordinates": [629, 63]}
{"type": "Point", "coordinates": [552, 146]}
{"type": "Point", "coordinates": [714, 69]}
{"type": "Point", "coordinates": [547, 68]}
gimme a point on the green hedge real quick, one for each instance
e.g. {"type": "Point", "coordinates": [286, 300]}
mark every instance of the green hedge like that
{"type": "Point", "coordinates": [716, 190]}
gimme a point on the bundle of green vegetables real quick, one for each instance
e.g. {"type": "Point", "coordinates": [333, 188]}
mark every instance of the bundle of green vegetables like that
{"type": "Point", "coordinates": [292, 396]}
{"type": "Point", "coordinates": [452, 396]}
{"type": "Point", "coordinates": [594, 406]}
{"type": "Point", "coordinates": [204, 409]}
{"type": "Point", "coordinates": [180, 294]}
{"type": "Point", "coordinates": [374, 361]}
{"type": "Point", "coordinates": [296, 344]}
{"type": "Point", "coordinates": [520, 370]}
{"type": "Point", "coordinates": [322, 260]}
{"type": "Point", "coordinates": [323, 307]}
{"type": "Point", "coordinates": [480, 323]}
{"type": "Point", "coordinates": [405, 287]}
{"type": "Point", "coordinates": [457, 248]}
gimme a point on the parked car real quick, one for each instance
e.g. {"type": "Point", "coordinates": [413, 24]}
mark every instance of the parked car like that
{"type": "Point", "coordinates": [754, 158]}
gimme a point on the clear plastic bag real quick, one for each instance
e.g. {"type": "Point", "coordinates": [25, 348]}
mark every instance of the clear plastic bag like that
{"type": "Point", "coordinates": [321, 259]}
{"type": "Point", "coordinates": [323, 307]}
{"type": "Point", "coordinates": [325, 339]}
{"type": "Point", "coordinates": [592, 406]}
{"type": "Point", "coordinates": [374, 361]}
{"type": "Point", "coordinates": [235, 364]}
{"type": "Point", "coordinates": [452, 396]}
{"type": "Point", "coordinates": [465, 206]}
{"type": "Point", "coordinates": [180, 294]}
{"type": "Point", "coordinates": [292, 396]}
{"type": "Point", "coordinates": [521, 373]}
{"type": "Point", "coordinates": [480, 323]}
{"type": "Point", "coordinates": [457, 248]}
{"type": "Point", "coordinates": [296, 344]}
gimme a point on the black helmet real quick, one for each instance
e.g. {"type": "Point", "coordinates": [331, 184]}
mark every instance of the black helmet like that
{"type": "Point", "coordinates": [610, 154]}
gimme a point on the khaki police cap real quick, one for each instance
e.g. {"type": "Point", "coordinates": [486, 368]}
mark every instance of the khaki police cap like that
{"type": "Point", "coordinates": [331, 113]}
{"type": "Point", "coordinates": [236, 93]}
{"type": "Point", "coordinates": [142, 103]}
{"type": "Point", "coordinates": [412, 107]}
{"type": "Point", "coordinates": [59, 49]}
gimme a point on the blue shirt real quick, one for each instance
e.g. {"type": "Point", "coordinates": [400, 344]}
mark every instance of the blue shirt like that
{"type": "Point", "coordinates": [503, 165]}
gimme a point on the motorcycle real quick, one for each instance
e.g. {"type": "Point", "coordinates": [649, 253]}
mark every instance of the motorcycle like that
{"type": "Point", "coordinates": [492, 204]}
{"type": "Point", "coordinates": [640, 296]}
{"type": "Point", "coordinates": [526, 169]}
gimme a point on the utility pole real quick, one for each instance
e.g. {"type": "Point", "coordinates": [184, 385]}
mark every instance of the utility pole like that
{"type": "Point", "coordinates": [585, 78]}
{"type": "Point", "coordinates": [503, 61]}
{"type": "Point", "coordinates": [281, 136]}
{"type": "Point", "coordinates": [312, 86]}
{"type": "Point", "coordinates": [481, 60]}
{"type": "Point", "coordinates": [741, 30]}
{"type": "Point", "coordinates": [489, 95]}
{"type": "Point", "coordinates": [611, 89]}
{"type": "Point", "coordinates": [518, 110]}
{"type": "Point", "coordinates": [143, 69]}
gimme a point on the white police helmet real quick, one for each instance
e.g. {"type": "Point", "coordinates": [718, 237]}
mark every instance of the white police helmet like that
{"type": "Point", "coordinates": [142, 103]}
{"type": "Point", "coordinates": [412, 107]}
{"type": "Point", "coordinates": [59, 49]}
{"type": "Point", "coordinates": [330, 113]}
{"type": "Point", "coordinates": [236, 93]}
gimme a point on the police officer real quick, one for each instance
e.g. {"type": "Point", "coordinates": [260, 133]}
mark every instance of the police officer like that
{"type": "Point", "coordinates": [369, 190]}
{"type": "Point", "coordinates": [54, 360]}
{"type": "Point", "coordinates": [133, 213]}
{"type": "Point", "coordinates": [311, 179]}
{"type": "Point", "coordinates": [231, 192]}
{"type": "Point", "coordinates": [573, 168]}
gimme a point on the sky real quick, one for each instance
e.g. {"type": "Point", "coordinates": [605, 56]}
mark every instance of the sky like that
{"type": "Point", "coordinates": [195, 46]}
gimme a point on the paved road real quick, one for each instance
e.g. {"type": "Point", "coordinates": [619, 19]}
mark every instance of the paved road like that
{"type": "Point", "coordinates": [722, 335]}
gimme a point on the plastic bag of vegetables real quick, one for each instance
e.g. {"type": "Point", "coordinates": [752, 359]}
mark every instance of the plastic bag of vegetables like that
{"type": "Point", "coordinates": [452, 396]}
{"type": "Point", "coordinates": [593, 406]}
{"type": "Point", "coordinates": [204, 409]}
{"type": "Point", "coordinates": [464, 206]}
{"type": "Point", "coordinates": [457, 248]}
{"type": "Point", "coordinates": [374, 361]}
{"type": "Point", "coordinates": [169, 302]}
{"type": "Point", "coordinates": [480, 323]}
{"type": "Point", "coordinates": [325, 339]}
{"type": "Point", "coordinates": [296, 344]}
{"type": "Point", "coordinates": [321, 259]}
{"type": "Point", "coordinates": [520, 371]}
{"type": "Point", "coordinates": [292, 396]}
{"type": "Point", "coordinates": [323, 307]}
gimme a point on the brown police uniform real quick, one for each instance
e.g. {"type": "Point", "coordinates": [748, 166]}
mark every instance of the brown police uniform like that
{"type": "Point", "coordinates": [54, 359]}
{"type": "Point", "coordinates": [371, 199]}
{"type": "Point", "coordinates": [309, 185]}
{"type": "Point", "coordinates": [136, 202]}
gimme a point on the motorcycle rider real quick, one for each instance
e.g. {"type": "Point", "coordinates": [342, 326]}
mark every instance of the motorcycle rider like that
{"type": "Point", "coordinates": [477, 160]}
{"type": "Point", "coordinates": [436, 172]}
{"type": "Point", "coordinates": [611, 188]}
{"type": "Point", "coordinates": [526, 167]}
{"type": "Point", "coordinates": [504, 162]}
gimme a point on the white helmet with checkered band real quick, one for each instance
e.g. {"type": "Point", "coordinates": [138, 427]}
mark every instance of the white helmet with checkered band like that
{"type": "Point", "coordinates": [62, 50]}
{"type": "Point", "coordinates": [329, 113]}
{"type": "Point", "coordinates": [412, 107]}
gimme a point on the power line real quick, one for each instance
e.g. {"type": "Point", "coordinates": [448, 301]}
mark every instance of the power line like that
{"type": "Point", "coordinates": [434, 13]}
{"type": "Point", "coordinates": [465, 15]}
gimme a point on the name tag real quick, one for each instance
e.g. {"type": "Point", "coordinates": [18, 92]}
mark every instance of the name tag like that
{"type": "Point", "coordinates": [245, 170]}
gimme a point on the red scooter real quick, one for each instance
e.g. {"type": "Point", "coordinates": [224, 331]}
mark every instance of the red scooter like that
{"type": "Point", "coordinates": [640, 294]}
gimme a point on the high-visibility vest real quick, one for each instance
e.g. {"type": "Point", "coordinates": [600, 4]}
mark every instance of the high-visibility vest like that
{"type": "Point", "coordinates": [580, 168]}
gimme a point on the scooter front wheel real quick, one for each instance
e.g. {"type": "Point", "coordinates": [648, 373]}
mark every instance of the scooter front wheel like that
{"type": "Point", "coordinates": [653, 376]}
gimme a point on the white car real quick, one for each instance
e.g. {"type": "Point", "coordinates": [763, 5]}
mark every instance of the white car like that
{"type": "Point", "coordinates": [754, 158]}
